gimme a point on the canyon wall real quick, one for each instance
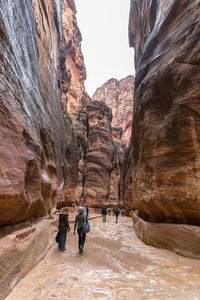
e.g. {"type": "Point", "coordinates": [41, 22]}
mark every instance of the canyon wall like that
{"type": "Point", "coordinates": [42, 72]}
{"type": "Point", "coordinates": [166, 133]}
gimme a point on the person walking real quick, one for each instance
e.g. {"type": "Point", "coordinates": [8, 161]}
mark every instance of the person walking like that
{"type": "Point", "coordinates": [73, 207]}
{"type": "Point", "coordinates": [104, 213]}
{"type": "Point", "coordinates": [116, 213]}
{"type": "Point", "coordinates": [80, 219]}
{"type": "Point", "coordinates": [123, 212]}
{"type": "Point", "coordinates": [87, 210]}
{"type": "Point", "coordinates": [109, 211]}
{"type": "Point", "coordinates": [63, 227]}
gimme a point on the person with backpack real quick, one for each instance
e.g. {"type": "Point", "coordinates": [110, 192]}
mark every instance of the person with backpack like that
{"type": "Point", "coordinates": [104, 213]}
{"type": "Point", "coordinates": [63, 227]}
{"type": "Point", "coordinates": [80, 220]}
{"type": "Point", "coordinates": [116, 213]}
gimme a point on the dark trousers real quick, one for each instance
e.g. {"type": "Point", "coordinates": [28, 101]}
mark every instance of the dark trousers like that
{"type": "Point", "coordinates": [62, 239]}
{"type": "Point", "coordinates": [81, 240]}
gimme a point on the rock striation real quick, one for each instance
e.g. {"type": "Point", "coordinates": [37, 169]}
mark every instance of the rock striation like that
{"type": "Point", "coordinates": [99, 155]}
{"type": "Point", "coordinates": [118, 95]}
{"type": "Point", "coordinates": [41, 67]}
{"type": "Point", "coordinates": [165, 35]}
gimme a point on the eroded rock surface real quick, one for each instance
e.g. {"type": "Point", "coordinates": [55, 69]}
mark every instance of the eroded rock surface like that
{"type": "Point", "coordinates": [166, 116]}
{"type": "Point", "coordinates": [99, 155]}
{"type": "Point", "coordinates": [38, 156]}
{"type": "Point", "coordinates": [118, 95]}
{"type": "Point", "coordinates": [126, 179]}
{"type": "Point", "coordinates": [165, 35]}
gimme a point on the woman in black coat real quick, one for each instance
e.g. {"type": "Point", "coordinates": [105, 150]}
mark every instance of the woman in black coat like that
{"type": "Point", "coordinates": [63, 227]}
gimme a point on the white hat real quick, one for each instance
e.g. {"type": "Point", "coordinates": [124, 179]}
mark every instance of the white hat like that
{"type": "Point", "coordinates": [81, 208]}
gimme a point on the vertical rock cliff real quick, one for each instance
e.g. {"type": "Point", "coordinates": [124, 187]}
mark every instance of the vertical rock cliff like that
{"type": "Point", "coordinates": [99, 155]}
{"type": "Point", "coordinates": [165, 35]}
{"type": "Point", "coordinates": [41, 67]}
{"type": "Point", "coordinates": [109, 117]}
{"type": "Point", "coordinates": [118, 95]}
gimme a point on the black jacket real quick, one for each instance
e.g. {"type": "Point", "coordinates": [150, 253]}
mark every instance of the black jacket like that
{"type": "Point", "coordinates": [104, 211]}
{"type": "Point", "coordinates": [63, 222]}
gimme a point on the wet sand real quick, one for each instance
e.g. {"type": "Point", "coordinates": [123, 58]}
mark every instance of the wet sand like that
{"type": "Point", "coordinates": [115, 265]}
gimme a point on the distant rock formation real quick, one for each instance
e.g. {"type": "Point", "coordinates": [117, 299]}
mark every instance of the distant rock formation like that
{"type": "Point", "coordinates": [165, 141]}
{"type": "Point", "coordinates": [99, 155]}
{"type": "Point", "coordinates": [118, 95]}
{"type": "Point", "coordinates": [109, 129]}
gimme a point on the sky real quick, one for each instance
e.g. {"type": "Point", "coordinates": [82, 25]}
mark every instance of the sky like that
{"type": "Point", "coordinates": [104, 28]}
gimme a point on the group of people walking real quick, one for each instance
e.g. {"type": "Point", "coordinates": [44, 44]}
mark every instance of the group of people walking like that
{"type": "Point", "coordinates": [116, 213]}
{"type": "Point", "coordinates": [63, 227]}
{"type": "Point", "coordinates": [81, 223]}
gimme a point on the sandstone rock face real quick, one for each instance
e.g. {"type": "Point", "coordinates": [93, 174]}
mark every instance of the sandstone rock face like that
{"type": "Point", "coordinates": [118, 95]}
{"type": "Point", "coordinates": [38, 157]}
{"type": "Point", "coordinates": [74, 95]}
{"type": "Point", "coordinates": [99, 155]}
{"type": "Point", "coordinates": [74, 100]}
{"type": "Point", "coordinates": [126, 179]}
{"type": "Point", "coordinates": [182, 239]}
{"type": "Point", "coordinates": [165, 35]}
{"type": "Point", "coordinates": [22, 250]}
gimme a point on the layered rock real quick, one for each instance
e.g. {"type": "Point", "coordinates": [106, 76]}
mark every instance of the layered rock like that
{"type": "Point", "coordinates": [99, 155]}
{"type": "Point", "coordinates": [165, 35]}
{"type": "Point", "coordinates": [115, 196]}
{"type": "Point", "coordinates": [38, 149]}
{"type": "Point", "coordinates": [126, 179]}
{"type": "Point", "coordinates": [75, 94]}
{"type": "Point", "coordinates": [74, 100]}
{"type": "Point", "coordinates": [118, 95]}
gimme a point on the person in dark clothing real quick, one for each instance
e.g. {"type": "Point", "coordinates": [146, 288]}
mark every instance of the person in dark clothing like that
{"type": "Point", "coordinates": [63, 227]}
{"type": "Point", "coordinates": [104, 213]}
{"type": "Point", "coordinates": [123, 212]}
{"type": "Point", "coordinates": [79, 220]}
{"type": "Point", "coordinates": [116, 213]}
{"type": "Point", "coordinates": [87, 210]}
{"type": "Point", "coordinates": [72, 207]}
{"type": "Point", "coordinates": [109, 211]}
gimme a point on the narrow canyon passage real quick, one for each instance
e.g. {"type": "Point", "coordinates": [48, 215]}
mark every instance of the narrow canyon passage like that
{"type": "Point", "coordinates": [114, 265]}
